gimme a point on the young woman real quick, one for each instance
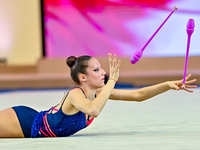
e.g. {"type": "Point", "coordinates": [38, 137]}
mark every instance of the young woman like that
{"type": "Point", "coordinates": [81, 104]}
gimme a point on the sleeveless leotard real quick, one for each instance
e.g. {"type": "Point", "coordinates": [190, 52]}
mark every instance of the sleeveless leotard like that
{"type": "Point", "coordinates": [48, 124]}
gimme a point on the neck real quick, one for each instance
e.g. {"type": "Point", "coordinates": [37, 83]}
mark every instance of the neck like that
{"type": "Point", "coordinates": [89, 92]}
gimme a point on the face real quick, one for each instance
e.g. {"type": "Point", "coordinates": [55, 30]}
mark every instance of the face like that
{"type": "Point", "coordinates": [95, 74]}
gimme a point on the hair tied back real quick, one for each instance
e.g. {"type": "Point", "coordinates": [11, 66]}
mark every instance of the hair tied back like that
{"type": "Point", "coordinates": [71, 61]}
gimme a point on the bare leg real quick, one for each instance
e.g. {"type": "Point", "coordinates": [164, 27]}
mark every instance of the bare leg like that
{"type": "Point", "coordinates": [9, 124]}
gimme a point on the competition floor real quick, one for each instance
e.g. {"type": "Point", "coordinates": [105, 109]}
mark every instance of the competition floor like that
{"type": "Point", "coordinates": [168, 121]}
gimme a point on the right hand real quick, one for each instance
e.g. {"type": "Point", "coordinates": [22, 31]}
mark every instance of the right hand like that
{"type": "Point", "coordinates": [178, 85]}
{"type": "Point", "coordinates": [114, 66]}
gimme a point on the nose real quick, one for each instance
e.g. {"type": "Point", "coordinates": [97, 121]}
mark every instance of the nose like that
{"type": "Point", "coordinates": [103, 72]}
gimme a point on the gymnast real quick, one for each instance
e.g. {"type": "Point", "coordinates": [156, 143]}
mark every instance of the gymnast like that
{"type": "Point", "coordinates": [81, 104]}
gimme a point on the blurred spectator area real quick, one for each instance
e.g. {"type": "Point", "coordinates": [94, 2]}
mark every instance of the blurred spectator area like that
{"type": "Point", "coordinates": [54, 73]}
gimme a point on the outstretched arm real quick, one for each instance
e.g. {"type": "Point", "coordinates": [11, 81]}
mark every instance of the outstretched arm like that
{"type": "Point", "coordinates": [151, 91]}
{"type": "Point", "coordinates": [94, 107]}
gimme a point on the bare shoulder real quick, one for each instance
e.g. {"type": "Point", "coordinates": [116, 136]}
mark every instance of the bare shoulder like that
{"type": "Point", "coordinates": [77, 97]}
{"type": "Point", "coordinates": [73, 98]}
{"type": "Point", "coordinates": [75, 93]}
{"type": "Point", "coordinates": [77, 100]}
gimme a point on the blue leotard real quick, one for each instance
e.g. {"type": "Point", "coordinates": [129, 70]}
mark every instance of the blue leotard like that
{"type": "Point", "coordinates": [59, 124]}
{"type": "Point", "coordinates": [25, 116]}
{"type": "Point", "coordinates": [48, 124]}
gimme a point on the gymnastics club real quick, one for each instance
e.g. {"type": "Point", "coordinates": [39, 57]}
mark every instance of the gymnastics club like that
{"type": "Point", "coordinates": [190, 29]}
{"type": "Point", "coordinates": [138, 54]}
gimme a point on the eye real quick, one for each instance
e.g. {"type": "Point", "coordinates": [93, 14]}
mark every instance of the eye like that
{"type": "Point", "coordinates": [96, 70]}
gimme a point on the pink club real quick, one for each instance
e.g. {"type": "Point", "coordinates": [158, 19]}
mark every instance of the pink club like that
{"type": "Point", "coordinates": [190, 29]}
{"type": "Point", "coordinates": [138, 54]}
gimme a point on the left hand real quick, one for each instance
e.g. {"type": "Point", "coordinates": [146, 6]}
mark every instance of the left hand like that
{"type": "Point", "coordinates": [114, 66]}
{"type": "Point", "coordinates": [177, 85]}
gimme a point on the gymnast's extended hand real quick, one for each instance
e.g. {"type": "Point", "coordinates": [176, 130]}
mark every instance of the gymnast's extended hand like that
{"type": "Point", "coordinates": [177, 85]}
{"type": "Point", "coordinates": [114, 67]}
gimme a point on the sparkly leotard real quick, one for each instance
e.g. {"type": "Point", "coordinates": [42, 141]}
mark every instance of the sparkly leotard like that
{"type": "Point", "coordinates": [48, 124]}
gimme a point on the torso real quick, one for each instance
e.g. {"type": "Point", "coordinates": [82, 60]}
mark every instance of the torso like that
{"type": "Point", "coordinates": [67, 107]}
{"type": "Point", "coordinates": [64, 120]}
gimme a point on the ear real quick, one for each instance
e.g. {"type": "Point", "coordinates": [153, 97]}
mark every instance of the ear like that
{"type": "Point", "coordinates": [82, 78]}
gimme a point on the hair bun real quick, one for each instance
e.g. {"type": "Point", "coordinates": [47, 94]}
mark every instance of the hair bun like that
{"type": "Point", "coordinates": [71, 61]}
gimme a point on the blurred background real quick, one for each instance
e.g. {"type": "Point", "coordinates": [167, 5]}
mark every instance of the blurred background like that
{"type": "Point", "coordinates": [37, 36]}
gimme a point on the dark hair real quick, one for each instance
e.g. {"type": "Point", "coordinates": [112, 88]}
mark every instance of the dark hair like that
{"type": "Point", "coordinates": [78, 65]}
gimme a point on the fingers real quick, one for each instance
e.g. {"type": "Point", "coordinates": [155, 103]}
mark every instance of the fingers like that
{"type": "Point", "coordinates": [113, 61]}
{"type": "Point", "coordinates": [178, 85]}
{"type": "Point", "coordinates": [110, 59]}
{"type": "Point", "coordinates": [186, 85]}
{"type": "Point", "coordinates": [114, 66]}
{"type": "Point", "coordinates": [188, 76]}
{"type": "Point", "coordinates": [191, 81]}
{"type": "Point", "coordinates": [190, 86]}
{"type": "Point", "coordinates": [118, 65]}
{"type": "Point", "coordinates": [188, 90]}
